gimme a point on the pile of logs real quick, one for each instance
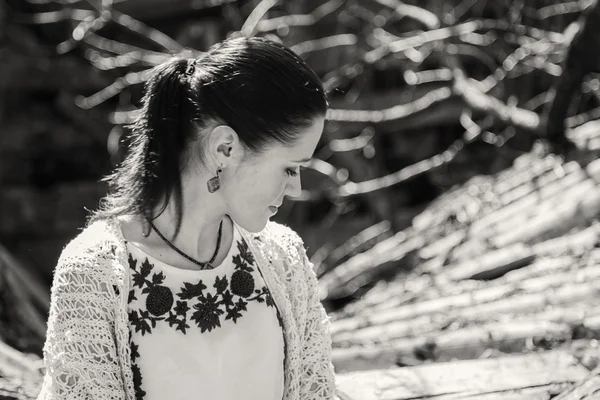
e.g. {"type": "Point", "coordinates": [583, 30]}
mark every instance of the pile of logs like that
{"type": "Point", "coordinates": [494, 276]}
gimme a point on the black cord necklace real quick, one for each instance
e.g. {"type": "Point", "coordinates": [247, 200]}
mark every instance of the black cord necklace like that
{"type": "Point", "coordinates": [203, 265]}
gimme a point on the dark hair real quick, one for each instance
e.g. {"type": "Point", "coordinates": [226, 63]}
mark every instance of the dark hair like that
{"type": "Point", "coordinates": [260, 88]}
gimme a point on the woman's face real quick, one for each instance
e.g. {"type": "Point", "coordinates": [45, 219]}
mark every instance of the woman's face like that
{"type": "Point", "coordinates": [257, 186]}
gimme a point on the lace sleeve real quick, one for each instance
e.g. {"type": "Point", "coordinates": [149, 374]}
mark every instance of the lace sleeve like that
{"type": "Point", "coordinates": [80, 354]}
{"type": "Point", "coordinates": [318, 378]}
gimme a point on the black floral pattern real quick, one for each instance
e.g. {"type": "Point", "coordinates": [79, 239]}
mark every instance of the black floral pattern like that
{"type": "Point", "coordinates": [194, 303]}
{"type": "Point", "coordinates": [228, 302]}
{"type": "Point", "coordinates": [137, 374]}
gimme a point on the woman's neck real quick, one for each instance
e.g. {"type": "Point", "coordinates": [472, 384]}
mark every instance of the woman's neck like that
{"type": "Point", "coordinates": [202, 213]}
{"type": "Point", "coordinates": [198, 231]}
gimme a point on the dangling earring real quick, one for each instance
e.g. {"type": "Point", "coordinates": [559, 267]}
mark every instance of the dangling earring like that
{"type": "Point", "coordinates": [145, 227]}
{"type": "Point", "coordinates": [213, 183]}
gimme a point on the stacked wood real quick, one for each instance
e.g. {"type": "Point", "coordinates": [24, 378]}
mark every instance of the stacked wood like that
{"type": "Point", "coordinates": [20, 375]}
{"type": "Point", "coordinates": [504, 264]}
{"type": "Point", "coordinates": [520, 377]}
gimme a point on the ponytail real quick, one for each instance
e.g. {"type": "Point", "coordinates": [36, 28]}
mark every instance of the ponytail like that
{"type": "Point", "coordinates": [151, 173]}
{"type": "Point", "coordinates": [169, 111]}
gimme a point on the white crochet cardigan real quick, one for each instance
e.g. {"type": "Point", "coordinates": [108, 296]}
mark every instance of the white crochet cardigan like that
{"type": "Point", "coordinates": [87, 353]}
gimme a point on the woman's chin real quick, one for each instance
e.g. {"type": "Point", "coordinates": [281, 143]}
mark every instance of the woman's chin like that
{"type": "Point", "coordinates": [255, 225]}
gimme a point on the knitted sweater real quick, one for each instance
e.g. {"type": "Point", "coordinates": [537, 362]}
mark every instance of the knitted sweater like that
{"type": "Point", "coordinates": [87, 352]}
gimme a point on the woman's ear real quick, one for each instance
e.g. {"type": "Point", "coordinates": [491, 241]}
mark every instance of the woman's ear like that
{"type": "Point", "coordinates": [225, 146]}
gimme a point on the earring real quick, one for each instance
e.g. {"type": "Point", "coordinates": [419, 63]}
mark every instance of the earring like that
{"type": "Point", "coordinates": [145, 228]}
{"type": "Point", "coordinates": [213, 183]}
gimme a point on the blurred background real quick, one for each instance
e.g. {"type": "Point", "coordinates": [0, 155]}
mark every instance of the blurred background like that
{"type": "Point", "coordinates": [450, 210]}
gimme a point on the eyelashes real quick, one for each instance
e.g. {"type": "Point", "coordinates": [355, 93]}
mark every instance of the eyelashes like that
{"type": "Point", "coordinates": [291, 172]}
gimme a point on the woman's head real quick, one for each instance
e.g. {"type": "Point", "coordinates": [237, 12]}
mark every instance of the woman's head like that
{"type": "Point", "coordinates": [249, 106]}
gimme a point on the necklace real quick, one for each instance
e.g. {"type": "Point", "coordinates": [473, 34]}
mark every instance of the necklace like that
{"type": "Point", "coordinates": [203, 265]}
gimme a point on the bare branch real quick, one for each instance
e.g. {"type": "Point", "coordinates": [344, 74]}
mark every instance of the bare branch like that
{"type": "Point", "coordinates": [301, 19]}
{"type": "Point", "coordinates": [351, 144]}
{"type": "Point", "coordinates": [51, 17]}
{"type": "Point", "coordinates": [432, 75]}
{"type": "Point", "coordinates": [326, 169]}
{"type": "Point", "coordinates": [249, 27]}
{"type": "Point", "coordinates": [562, 8]}
{"type": "Point", "coordinates": [351, 70]}
{"type": "Point", "coordinates": [482, 102]}
{"type": "Point", "coordinates": [132, 78]}
{"type": "Point", "coordinates": [393, 113]}
{"type": "Point", "coordinates": [116, 47]}
{"type": "Point", "coordinates": [458, 11]}
{"type": "Point", "coordinates": [124, 60]}
{"type": "Point", "coordinates": [474, 52]}
{"type": "Point", "coordinates": [581, 119]}
{"type": "Point", "coordinates": [346, 39]}
{"type": "Point", "coordinates": [538, 100]}
{"type": "Point", "coordinates": [426, 17]}
{"type": "Point", "coordinates": [85, 27]}
{"type": "Point", "coordinates": [412, 171]}
{"type": "Point", "coordinates": [355, 244]}
{"type": "Point", "coordinates": [510, 62]}
{"type": "Point", "coordinates": [144, 30]}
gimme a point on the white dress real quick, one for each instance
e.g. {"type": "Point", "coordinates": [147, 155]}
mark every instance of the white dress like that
{"type": "Point", "coordinates": [212, 334]}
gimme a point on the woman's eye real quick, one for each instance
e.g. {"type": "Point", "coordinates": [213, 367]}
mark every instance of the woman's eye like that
{"type": "Point", "coordinates": [291, 172]}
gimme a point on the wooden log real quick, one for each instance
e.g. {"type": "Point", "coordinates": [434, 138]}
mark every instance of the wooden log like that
{"type": "Point", "coordinates": [506, 185]}
{"type": "Point", "coordinates": [581, 316]}
{"type": "Point", "coordinates": [490, 265]}
{"type": "Point", "coordinates": [535, 202]}
{"type": "Point", "coordinates": [527, 194]}
{"type": "Point", "coordinates": [367, 264]}
{"type": "Point", "coordinates": [579, 206]}
{"type": "Point", "coordinates": [526, 168]}
{"type": "Point", "coordinates": [535, 393]}
{"type": "Point", "coordinates": [584, 240]}
{"type": "Point", "coordinates": [11, 389]}
{"type": "Point", "coordinates": [461, 344]}
{"type": "Point", "coordinates": [467, 378]}
{"type": "Point", "coordinates": [587, 388]}
{"type": "Point", "coordinates": [546, 218]}
{"type": "Point", "coordinates": [415, 287]}
{"type": "Point", "coordinates": [507, 218]}
{"type": "Point", "coordinates": [482, 301]}
{"type": "Point", "coordinates": [14, 364]}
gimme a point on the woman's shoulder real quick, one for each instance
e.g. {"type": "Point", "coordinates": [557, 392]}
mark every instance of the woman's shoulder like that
{"type": "Point", "coordinates": [281, 238]}
{"type": "Point", "coordinates": [285, 244]}
{"type": "Point", "coordinates": [99, 246]}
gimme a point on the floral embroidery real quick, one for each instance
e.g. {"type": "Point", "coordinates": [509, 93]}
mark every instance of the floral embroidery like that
{"type": "Point", "coordinates": [228, 302]}
{"type": "Point", "coordinates": [137, 374]}
{"type": "Point", "coordinates": [193, 303]}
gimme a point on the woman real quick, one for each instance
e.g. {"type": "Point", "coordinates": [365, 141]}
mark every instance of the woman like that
{"type": "Point", "coordinates": [180, 287]}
